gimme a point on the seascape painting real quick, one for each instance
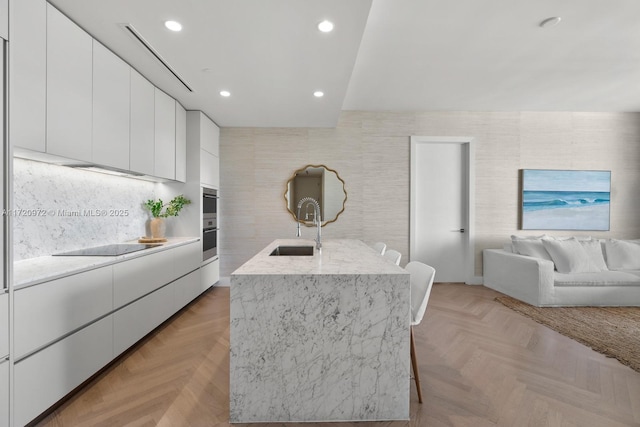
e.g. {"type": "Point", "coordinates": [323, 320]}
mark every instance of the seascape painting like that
{"type": "Point", "coordinates": [565, 200]}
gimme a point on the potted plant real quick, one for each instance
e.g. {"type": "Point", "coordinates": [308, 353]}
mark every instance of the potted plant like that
{"type": "Point", "coordinates": [160, 210]}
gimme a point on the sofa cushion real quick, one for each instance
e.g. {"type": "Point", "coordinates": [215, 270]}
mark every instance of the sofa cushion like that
{"type": "Point", "coordinates": [530, 246]}
{"type": "Point", "coordinates": [603, 278]}
{"type": "Point", "coordinates": [594, 250]}
{"type": "Point", "coordinates": [622, 254]}
{"type": "Point", "coordinates": [569, 256]}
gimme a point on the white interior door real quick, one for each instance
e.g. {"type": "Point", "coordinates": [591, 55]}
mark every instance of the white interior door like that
{"type": "Point", "coordinates": [440, 206]}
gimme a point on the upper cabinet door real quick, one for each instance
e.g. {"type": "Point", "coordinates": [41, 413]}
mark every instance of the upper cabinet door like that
{"type": "Point", "coordinates": [210, 136]}
{"type": "Point", "coordinates": [142, 140]}
{"type": "Point", "coordinates": [181, 143]}
{"type": "Point", "coordinates": [69, 86]}
{"type": "Point", "coordinates": [28, 74]}
{"type": "Point", "coordinates": [209, 169]}
{"type": "Point", "coordinates": [165, 136]}
{"type": "Point", "coordinates": [110, 109]}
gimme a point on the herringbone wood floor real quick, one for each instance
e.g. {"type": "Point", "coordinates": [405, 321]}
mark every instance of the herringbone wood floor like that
{"type": "Point", "coordinates": [481, 365]}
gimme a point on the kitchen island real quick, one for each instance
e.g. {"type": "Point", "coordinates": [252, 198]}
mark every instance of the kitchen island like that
{"type": "Point", "coordinates": [319, 338]}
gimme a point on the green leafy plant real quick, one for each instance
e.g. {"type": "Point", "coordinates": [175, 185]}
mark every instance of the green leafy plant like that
{"type": "Point", "coordinates": [171, 209]}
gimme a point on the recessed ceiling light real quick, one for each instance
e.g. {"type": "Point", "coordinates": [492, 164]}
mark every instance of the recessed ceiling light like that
{"type": "Point", "coordinates": [550, 22]}
{"type": "Point", "coordinates": [173, 25]}
{"type": "Point", "coordinates": [325, 26]}
{"type": "Point", "coordinates": [318, 94]}
{"type": "Point", "coordinates": [225, 93]}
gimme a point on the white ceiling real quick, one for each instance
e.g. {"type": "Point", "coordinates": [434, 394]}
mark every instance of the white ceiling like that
{"type": "Point", "coordinates": [401, 55]}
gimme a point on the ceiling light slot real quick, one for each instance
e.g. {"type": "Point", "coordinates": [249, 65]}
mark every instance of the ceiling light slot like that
{"type": "Point", "coordinates": [133, 32]}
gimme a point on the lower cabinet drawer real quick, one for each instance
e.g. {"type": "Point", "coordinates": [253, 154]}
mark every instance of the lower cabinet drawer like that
{"type": "Point", "coordinates": [210, 274]}
{"type": "Point", "coordinates": [139, 276]}
{"type": "Point", "coordinates": [136, 320]}
{"type": "Point", "coordinates": [187, 258]}
{"type": "Point", "coordinates": [4, 392]}
{"type": "Point", "coordinates": [48, 375]}
{"type": "Point", "coordinates": [48, 311]}
{"type": "Point", "coordinates": [187, 288]}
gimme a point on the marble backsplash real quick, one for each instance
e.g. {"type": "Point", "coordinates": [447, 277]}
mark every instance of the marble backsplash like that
{"type": "Point", "coordinates": [59, 208]}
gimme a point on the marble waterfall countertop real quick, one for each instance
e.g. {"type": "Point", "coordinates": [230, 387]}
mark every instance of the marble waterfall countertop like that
{"type": "Point", "coordinates": [319, 338]}
{"type": "Point", "coordinates": [29, 272]}
{"type": "Point", "coordinates": [339, 256]}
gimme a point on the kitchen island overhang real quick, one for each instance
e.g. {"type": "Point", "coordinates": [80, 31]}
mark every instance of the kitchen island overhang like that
{"type": "Point", "coordinates": [319, 338]}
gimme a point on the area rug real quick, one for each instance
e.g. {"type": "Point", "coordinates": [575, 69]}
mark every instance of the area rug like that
{"type": "Point", "coordinates": [612, 331]}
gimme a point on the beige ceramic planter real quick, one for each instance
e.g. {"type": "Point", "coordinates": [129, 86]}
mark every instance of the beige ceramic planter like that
{"type": "Point", "coordinates": [158, 228]}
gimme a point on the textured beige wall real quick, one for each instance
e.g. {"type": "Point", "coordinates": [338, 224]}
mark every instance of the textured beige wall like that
{"type": "Point", "coordinates": [370, 150]}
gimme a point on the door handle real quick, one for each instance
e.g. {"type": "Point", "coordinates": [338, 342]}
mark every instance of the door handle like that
{"type": "Point", "coordinates": [459, 230]}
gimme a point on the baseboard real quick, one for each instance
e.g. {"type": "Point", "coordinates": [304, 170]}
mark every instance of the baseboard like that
{"type": "Point", "coordinates": [476, 280]}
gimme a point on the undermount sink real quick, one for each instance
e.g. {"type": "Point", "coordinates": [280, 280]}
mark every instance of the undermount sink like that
{"type": "Point", "coordinates": [292, 251]}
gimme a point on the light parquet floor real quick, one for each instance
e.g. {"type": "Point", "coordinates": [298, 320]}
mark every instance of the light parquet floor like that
{"type": "Point", "coordinates": [481, 364]}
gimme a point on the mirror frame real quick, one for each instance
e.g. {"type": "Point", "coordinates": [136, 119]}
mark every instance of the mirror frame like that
{"type": "Point", "coordinates": [286, 192]}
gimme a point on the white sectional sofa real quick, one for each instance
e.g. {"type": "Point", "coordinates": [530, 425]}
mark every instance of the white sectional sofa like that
{"type": "Point", "coordinates": [550, 272]}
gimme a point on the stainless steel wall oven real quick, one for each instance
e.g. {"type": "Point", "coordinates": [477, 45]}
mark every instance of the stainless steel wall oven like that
{"type": "Point", "coordinates": [209, 223]}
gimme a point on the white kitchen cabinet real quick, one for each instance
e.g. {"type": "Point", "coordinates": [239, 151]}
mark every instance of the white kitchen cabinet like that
{"type": "Point", "coordinates": [187, 288]}
{"type": "Point", "coordinates": [111, 100]}
{"type": "Point", "coordinates": [28, 71]}
{"type": "Point", "coordinates": [210, 274]}
{"type": "Point", "coordinates": [165, 136]}
{"type": "Point", "coordinates": [45, 377]}
{"type": "Point", "coordinates": [142, 136]}
{"type": "Point", "coordinates": [210, 136]}
{"type": "Point", "coordinates": [181, 143]}
{"type": "Point", "coordinates": [209, 169]}
{"type": "Point", "coordinates": [209, 152]}
{"type": "Point", "coordinates": [146, 277]}
{"type": "Point", "coordinates": [4, 392]}
{"type": "Point", "coordinates": [46, 312]}
{"type": "Point", "coordinates": [69, 87]}
{"type": "Point", "coordinates": [4, 325]}
{"type": "Point", "coordinates": [135, 278]}
{"type": "Point", "coordinates": [186, 258]}
{"type": "Point", "coordinates": [136, 320]}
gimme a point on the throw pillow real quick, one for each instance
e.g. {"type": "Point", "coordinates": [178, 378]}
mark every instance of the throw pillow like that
{"type": "Point", "coordinates": [569, 256]}
{"type": "Point", "coordinates": [622, 254]}
{"type": "Point", "coordinates": [579, 238]}
{"type": "Point", "coordinates": [530, 246]}
{"type": "Point", "coordinates": [594, 250]}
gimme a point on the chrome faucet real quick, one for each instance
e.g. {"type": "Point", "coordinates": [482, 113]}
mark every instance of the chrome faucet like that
{"type": "Point", "coordinates": [317, 220]}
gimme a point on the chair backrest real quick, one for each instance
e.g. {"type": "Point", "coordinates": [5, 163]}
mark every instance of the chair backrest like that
{"type": "Point", "coordinates": [393, 255]}
{"type": "Point", "coordinates": [422, 276]}
{"type": "Point", "coordinates": [380, 247]}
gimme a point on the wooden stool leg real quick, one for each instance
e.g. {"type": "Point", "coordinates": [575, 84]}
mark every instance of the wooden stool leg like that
{"type": "Point", "coordinates": [414, 364]}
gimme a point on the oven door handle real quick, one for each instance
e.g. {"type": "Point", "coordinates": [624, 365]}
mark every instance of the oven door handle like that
{"type": "Point", "coordinates": [209, 230]}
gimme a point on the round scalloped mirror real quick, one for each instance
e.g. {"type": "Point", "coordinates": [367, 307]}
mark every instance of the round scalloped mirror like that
{"type": "Point", "coordinates": [320, 183]}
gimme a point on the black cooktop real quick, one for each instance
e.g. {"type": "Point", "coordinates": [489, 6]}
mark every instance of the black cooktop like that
{"type": "Point", "coordinates": [107, 250]}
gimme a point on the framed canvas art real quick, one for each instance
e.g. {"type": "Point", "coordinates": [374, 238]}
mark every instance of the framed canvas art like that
{"type": "Point", "coordinates": [565, 199]}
